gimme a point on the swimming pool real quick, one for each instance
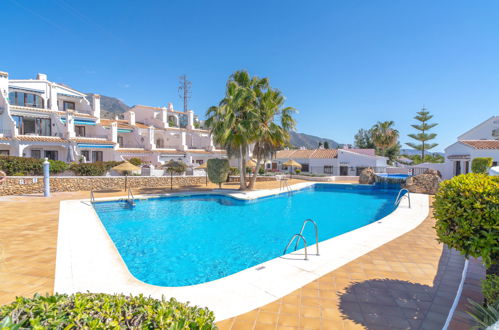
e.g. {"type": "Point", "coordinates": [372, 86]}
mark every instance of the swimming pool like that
{"type": "Point", "coordinates": [393, 175]}
{"type": "Point", "coordinates": [187, 240]}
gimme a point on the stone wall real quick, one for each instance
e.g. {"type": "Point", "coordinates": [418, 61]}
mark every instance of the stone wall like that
{"type": "Point", "coordinates": [32, 185]}
{"type": "Point", "coordinates": [20, 185]}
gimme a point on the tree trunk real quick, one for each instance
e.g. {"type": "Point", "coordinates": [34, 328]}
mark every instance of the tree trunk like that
{"type": "Point", "coordinates": [242, 181]}
{"type": "Point", "coordinates": [253, 178]}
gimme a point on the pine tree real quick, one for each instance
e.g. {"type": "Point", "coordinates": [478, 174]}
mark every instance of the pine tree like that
{"type": "Point", "coordinates": [326, 145]}
{"type": "Point", "coordinates": [423, 136]}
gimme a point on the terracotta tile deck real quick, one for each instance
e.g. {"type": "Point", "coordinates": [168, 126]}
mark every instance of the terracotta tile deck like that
{"type": "Point", "coordinates": [408, 283]}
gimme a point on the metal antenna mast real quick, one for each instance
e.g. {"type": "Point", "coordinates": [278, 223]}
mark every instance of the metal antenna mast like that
{"type": "Point", "coordinates": [184, 91]}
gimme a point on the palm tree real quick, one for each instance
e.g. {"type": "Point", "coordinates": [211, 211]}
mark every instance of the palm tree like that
{"type": "Point", "coordinates": [271, 127]}
{"type": "Point", "coordinates": [384, 136]}
{"type": "Point", "coordinates": [231, 121]}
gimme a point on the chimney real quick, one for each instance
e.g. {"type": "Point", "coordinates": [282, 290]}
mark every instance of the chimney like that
{"type": "Point", "coordinates": [190, 119]}
{"type": "Point", "coordinates": [114, 132]}
{"type": "Point", "coordinates": [130, 117]}
{"type": "Point", "coordinates": [96, 102]}
{"type": "Point", "coordinates": [4, 84]}
{"type": "Point", "coordinates": [41, 76]}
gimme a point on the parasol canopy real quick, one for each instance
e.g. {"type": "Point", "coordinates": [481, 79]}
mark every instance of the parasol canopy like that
{"type": "Point", "coordinates": [250, 163]}
{"type": "Point", "coordinates": [292, 163]}
{"type": "Point", "coordinates": [203, 166]}
{"type": "Point", "coordinates": [126, 167]}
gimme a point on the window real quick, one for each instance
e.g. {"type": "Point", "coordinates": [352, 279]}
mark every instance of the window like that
{"type": "Point", "coordinates": [80, 130]}
{"type": "Point", "coordinates": [328, 169]}
{"type": "Point", "coordinates": [97, 156]}
{"type": "Point", "coordinates": [36, 154]}
{"type": "Point", "coordinates": [494, 164]}
{"type": "Point", "coordinates": [159, 143]}
{"type": "Point", "coordinates": [66, 105]}
{"type": "Point", "coordinates": [4, 152]}
{"type": "Point", "coordinates": [358, 170]}
{"type": "Point", "coordinates": [26, 99]}
{"type": "Point", "coordinates": [304, 168]}
{"type": "Point", "coordinates": [466, 166]}
{"type": "Point", "coordinates": [457, 167]}
{"type": "Point", "coordinates": [199, 161]}
{"type": "Point", "coordinates": [120, 141]}
{"type": "Point", "coordinates": [51, 154]}
{"type": "Point", "coordinates": [28, 125]}
{"type": "Point", "coordinates": [86, 154]}
{"type": "Point", "coordinates": [343, 170]}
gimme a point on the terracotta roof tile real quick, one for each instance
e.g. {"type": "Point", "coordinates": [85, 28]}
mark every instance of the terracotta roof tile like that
{"type": "Point", "coordinates": [133, 151]}
{"type": "Point", "coordinates": [482, 144]}
{"type": "Point", "coordinates": [141, 125]}
{"type": "Point", "coordinates": [34, 138]}
{"type": "Point", "coordinates": [307, 154]}
{"type": "Point", "coordinates": [93, 141]}
{"type": "Point", "coordinates": [4, 138]}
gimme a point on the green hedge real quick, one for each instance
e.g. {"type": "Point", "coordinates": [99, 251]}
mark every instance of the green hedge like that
{"type": "Point", "coordinates": [92, 169]}
{"type": "Point", "coordinates": [467, 212]}
{"type": "Point", "coordinates": [490, 289]}
{"type": "Point", "coordinates": [481, 164]}
{"type": "Point", "coordinates": [135, 161]}
{"type": "Point", "coordinates": [218, 170]}
{"type": "Point", "coordinates": [17, 166]}
{"type": "Point", "coordinates": [103, 311]}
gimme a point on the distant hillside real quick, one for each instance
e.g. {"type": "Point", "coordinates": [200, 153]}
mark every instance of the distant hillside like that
{"type": "Point", "coordinates": [412, 152]}
{"type": "Point", "coordinates": [110, 106]}
{"type": "Point", "coordinates": [310, 141]}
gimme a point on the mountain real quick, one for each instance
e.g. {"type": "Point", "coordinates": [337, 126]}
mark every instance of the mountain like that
{"type": "Point", "coordinates": [412, 152]}
{"type": "Point", "coordinates": [310, 141]}
{"type": "Point", "coordinates": [110, 106]}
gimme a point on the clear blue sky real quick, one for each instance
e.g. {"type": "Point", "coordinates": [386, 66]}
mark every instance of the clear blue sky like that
{"type": "Point", "coordinates": [343, 64]}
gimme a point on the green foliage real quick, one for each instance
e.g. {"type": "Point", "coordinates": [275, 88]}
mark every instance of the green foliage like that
{"type": "Point", "coordinates": [384, 136]}
{"type": "Point", "coordinates": [218, 170]}
{"type": "Point", "coordinates": [297, 170]}
{"type": "Point", "coordinates": [233, 171]}
{"type": "Point", "coordinates": [175, 167]}
{"type": "Point", "coordinates": [481, 164]}
{"type": "Point", "coordinates": [326, 145]}
{"type": "Point", "coordinates": [28, 166]}
{"type": "Point", "coordinates": [103, 311]}
{"type": "Point", "coordinates": [363, 140]}
{"type": "Point", "coordinates": [16, 166]}
{"type": "Point", "coordinates": [135, 161]}
{"type": "Point", "coordinates": [490, 288]}
{"type": "Point", "coordinates": [261, 171]}
{"type": "Point", "coordinates": [485, 316]}
{"type": "Point", "coordinates": [58, 166]}
{"type": "Point", "coordinates": [428, 158]}
{"type": "Point", "coordinates": [467, 212]}
{"type": "Point", "coordinates": [171, 123]}
{"type": "Point", "coordinates": [423, 136]}
{"type": "Point", "coordinates": [92, 169]}
{"type": "Point", "coordinates": [8, 324]}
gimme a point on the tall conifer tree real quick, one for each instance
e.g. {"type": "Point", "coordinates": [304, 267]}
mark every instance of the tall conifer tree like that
{"type": "Point", "coordinates": [423, 136]}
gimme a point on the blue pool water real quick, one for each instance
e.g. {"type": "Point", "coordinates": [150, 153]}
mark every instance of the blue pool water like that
{"type": "Point", "coordinates": [177, 241]}
{"type": "Point", "coordinates": [397, 176]}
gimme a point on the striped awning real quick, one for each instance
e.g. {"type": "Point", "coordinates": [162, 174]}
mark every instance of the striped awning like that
{"type": "Point", "coordinates": [95, 146]}
{"type": "Point", "coordinates": [81, 122]}
{"type": "Point", "coordinates": [124, 130]}
{"type": "Point", "coordinates": [69, 95]}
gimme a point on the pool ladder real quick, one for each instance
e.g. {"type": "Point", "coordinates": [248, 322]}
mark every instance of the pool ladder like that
{"type": "Point", "coordinates": [92, 198]}
{"type": "Point", "coordinates": [283, 185]}
{"type": "Point", "coordinates": [130, 199]}
{"type": "Point", "coordinates": [300, 236]}
{"type": "Point", "coordinates": [399, 197]}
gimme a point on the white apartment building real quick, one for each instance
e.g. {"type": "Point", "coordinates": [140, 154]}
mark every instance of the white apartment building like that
{"type": "Point", "coordinates": [343, 162]}
{"type": "Point", "coordinates": [480, 141]}
{"type": "Point", "coordinates": [40, 118]}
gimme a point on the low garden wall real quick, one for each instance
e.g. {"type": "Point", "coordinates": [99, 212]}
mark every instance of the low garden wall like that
{"type": "Point", "coordinates": [20, 185]}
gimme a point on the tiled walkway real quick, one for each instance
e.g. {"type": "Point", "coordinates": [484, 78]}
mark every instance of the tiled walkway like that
{"type": "Point", "coordinates": [409, 283]}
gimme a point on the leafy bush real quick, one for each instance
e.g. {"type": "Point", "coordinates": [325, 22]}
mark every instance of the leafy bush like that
{"type": "Point", "coordinates": [486, 315]}
{"type": "Point", "coordinates": [261, 171]}
{"type": "Point", "coordinates": [297, 170]}
{"type": "Point", "coordinates": [57, 166]}
{"type": "Point", "coordinates": [92, 169]}
{"type": "Point", "coordinates": [481, 164]}
{"type": "Point", "coordinates": [490, 289]}
{"type": "Point", "coordinates": [135, 161]}
{"type": "Point", "coordinates": [175, 167]}
{"type": "Point", "coordinates": [233, 171]}
{"type": "Point", "coordinates": [218, 170]}
{"type": "Point", "coordinates": [467, 212]}
{"type": "Point", "coordinates": [28, 166]}
{"type": "Point", "coordinates": [103, 311]}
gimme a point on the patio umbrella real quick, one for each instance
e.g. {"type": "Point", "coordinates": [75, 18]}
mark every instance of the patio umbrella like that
{"type": "Point", "coordinates": [204, 167]}
{"type": "Point", "coordinates": [126, 167]}
{"type": "Point", "coordinates": [250, 163]}
{"type": "Point", "coordinates": [291, 163]}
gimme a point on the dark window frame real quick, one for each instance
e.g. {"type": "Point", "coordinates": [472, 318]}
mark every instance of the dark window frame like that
{"type": "Point", "coordinates": [64, 103]}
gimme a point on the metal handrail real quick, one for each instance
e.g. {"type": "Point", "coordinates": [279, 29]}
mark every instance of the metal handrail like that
{"type": "Point", "coordinates": [399, 197]}
{"type": "Point", "coordinates": [92, 198]}
{"type": "Point", "coordinates": [131, 201]}
{"type": "Point", "coordinates": [291, 241]}
{"type": "Point", "coordinates": [316, 233]}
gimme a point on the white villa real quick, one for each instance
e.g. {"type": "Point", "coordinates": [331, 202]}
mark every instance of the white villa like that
{"type": "Point", "coordinates": [480, 141]}
{"type": "Point", "coordinates": [344, 162]}
{"type": "Point", "coordinates": [40, 118]}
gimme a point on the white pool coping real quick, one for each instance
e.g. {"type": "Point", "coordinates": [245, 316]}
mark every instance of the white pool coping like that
{"type": "Point", "coordinates": [87, 259]}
